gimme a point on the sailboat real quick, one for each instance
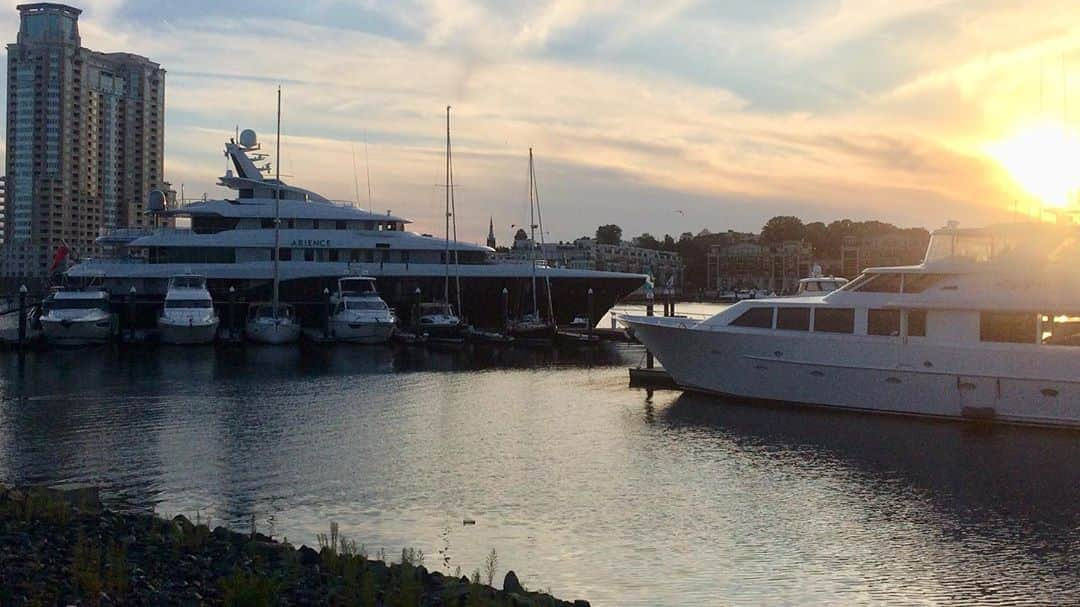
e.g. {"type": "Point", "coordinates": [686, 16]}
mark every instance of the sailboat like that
{"type": "Point", "coordinates": [532, 327]}
{"type": "Point", "coordinates": [437, 319]}
{"type": "Point", "coordinates": [274, 322]}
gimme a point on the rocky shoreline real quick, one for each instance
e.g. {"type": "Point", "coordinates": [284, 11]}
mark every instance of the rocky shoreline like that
{"type": "Point", "coordinates": [65, 548]}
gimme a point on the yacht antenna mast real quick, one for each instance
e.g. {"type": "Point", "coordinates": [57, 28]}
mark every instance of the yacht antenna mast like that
{"type": "Point", "coordinates": [356, 177]}
{"type": "Point", "coordinates": [446, 255]}
{"type": "Point", "coordinates": [540, 220]}
{"type": "Point", "coordinates": [532, 237]}
{"type": "Point", "coordinates": [277, 202]}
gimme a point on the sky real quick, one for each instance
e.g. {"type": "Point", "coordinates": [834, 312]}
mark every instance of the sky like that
{"type": "Point", "coordinates": [662, 117]}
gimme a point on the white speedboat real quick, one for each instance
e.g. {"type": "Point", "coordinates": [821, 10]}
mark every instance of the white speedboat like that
{"type": "Point", "coordinates": [188, 316]}
{"type": "Point", "coordinates": [818, 285]}
{"type": "Point", "coordinates": [985, 328]}
{"type": "Point", "coordinates": [267, 326]}
{"type": "Point", "coordinates": [360, 315]}
{"type": "Point", "coordinates": [78, 318]}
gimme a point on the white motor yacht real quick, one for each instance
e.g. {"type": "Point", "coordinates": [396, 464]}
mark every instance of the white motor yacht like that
{"type": "Point", "coordinates": [77, 318]}
{"type": "Point", "coordinates": [267, 326]}
{"type": "Point", "coordinates": [360, 315]}
{"type": "Point", "coordinates": [985, 328]}
{"type": "Point", "coordinates": [188, 316]}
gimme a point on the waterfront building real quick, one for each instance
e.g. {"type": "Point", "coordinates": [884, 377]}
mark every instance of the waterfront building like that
{"type": "Point", "coordinates": [85, 139]}
{"type": "Point", "coordinates": [587, 254]}
{"type": "Point", "coordinates": [3, 204]}
{"type": "Point", "coordinates": [753, 265]}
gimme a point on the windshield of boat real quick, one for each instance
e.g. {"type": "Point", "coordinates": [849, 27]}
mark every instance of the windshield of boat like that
{"type": "Point", "coordinates": [369, 304]}
{"type": "Point", "coordinates": [267, 311]}
{"type": "Point", "coordinates": [174, 304]}
{"type": "Point", "coordinates": [188, 282]}
{"type": "Point", "coordinates": [75, 304]}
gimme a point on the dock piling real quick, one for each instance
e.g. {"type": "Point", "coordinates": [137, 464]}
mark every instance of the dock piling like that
{"type": "Point", "coordinates": [504, 302]}
{"type": "Point", "coordinates": [649, 363]}
{"type": "Point", "coordinates": [589, 311]}
{"type": "Point", "coordinates": [131, 314]}
{"type": "Point", "coordinates": [416, 311]}
{"type": "Point", "coordinates": [22, 314]}
{"type": "Point", "coordinates": [232, 313]}
{"type": "Point", "coordinates": [326, 313]}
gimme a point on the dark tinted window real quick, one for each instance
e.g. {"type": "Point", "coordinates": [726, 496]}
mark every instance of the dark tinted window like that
{"type": "Point", "coordinates": [916, 323]}
{"type": "Point", "coordinates": [1011, 327]}
{"type": "Point", "coordinates": [793, 319]}
{"type": "Point", "coordinates": [917, 283]}
{"type": "Point", "coordinates": [834, 320]}
{"type": "Point", "coordinates": [883, 283]}
{"type": "Point", "coordinates": [755, 317]}
{"type": "Point", "coordinates": [884, 322]}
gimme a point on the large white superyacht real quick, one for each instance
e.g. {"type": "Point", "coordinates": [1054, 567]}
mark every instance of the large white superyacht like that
{"type": "Point", "coordinates": [987, 327]}
{"type": "Point", "coordinates": [231, 243]}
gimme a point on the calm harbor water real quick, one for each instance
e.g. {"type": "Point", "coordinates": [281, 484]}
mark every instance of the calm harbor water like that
{"type": "Point", "coordinates": [580, 484]}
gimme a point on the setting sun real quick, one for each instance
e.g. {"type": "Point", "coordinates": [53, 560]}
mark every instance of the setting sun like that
{"type": "Point", "coordinates": [1042, 159]}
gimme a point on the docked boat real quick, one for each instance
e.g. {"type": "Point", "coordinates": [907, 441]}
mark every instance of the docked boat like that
{"type": "Point", "coordinates": [440, 324]}
{"type": "Point", "coordinates": [531, 327]}
{"type": "Point", "coordinates": [817, 285]}
{"type": "Point", "coordinates": [359, 314]}
{"type": "Point", "coordinates": [267, 324]}
{"type": "Point", "coordinates": [985, 328]}
{"type": "Point", "coordinates": [188, 316]}
{"type": "Point", "coordinates": [231, 242]}
{"type": "Point", "coordinates": [78, 318]}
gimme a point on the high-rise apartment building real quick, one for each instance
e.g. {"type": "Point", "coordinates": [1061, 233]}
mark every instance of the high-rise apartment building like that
{"type": "Point", "coordinates": [85, 140]}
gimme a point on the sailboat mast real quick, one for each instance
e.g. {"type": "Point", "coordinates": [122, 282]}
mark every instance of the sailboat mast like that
{"type": "Point", "coordinates": [446, 256]}
{"type": "Point", "coordinates": [453, 224]}
{"type": "Point", "coordinates": [277, 202]}
{"type": "Point", "coordinates": [540, 220]}
{"type": "Point", "coordinates": [532, 237]}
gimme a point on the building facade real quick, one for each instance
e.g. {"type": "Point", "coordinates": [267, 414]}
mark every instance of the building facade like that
{"type": "Point", "coordinates": [752, 265]}
{"type": "Point", "coordinates": [85, 140]}
{"type": "Point", "coordinates": [587, 254]}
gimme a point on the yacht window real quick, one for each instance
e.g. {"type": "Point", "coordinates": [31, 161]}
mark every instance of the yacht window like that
{"type": "Point", "coordinates": [75, 304]}
{"type": "Point", "coordinates": [285, 254]}
{"type": "Point", "coordinates": [267, 224]}
{"type": "Point", "coordinates": [333, 255]}
{"type": "Point", "coordinates": [173, 304]}
{"type": "Point", "coordinates": [1008, 327]}
{"type": "Point", "coordinates": [289, 224]}
{"type": "Point", "coordinates": [917, 283]}
{"type": "Point", "coordinates": [882, 283]}
{"type": "Point", "coordinates": [834, 320]}
{"type": "Point", "coordinates": [884, 322]}
{"type": "Point", "coordinates": [916, 323]}
{"type": "Point", "coordinates": [309, 254]}
{"type": "Point", "coordinates": [369, 255]}
{"type": "Point", "coordinates": [759, 317]}
{"type": "Point", "coordinates": [858, 282]}
{"type": "Point", "coordinates": [341, 224]}
{"type": "Point", "coordinates": [811, 286]}
{"type": "Point", "coordinates": [793, 319]}
{"type": "Point", "coordinates": [365, 305]}
{"type": "Point", "coordinates": [1061, 330]}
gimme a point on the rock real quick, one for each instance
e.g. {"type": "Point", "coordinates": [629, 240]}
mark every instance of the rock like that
{"type": "Point", "coordinates": [511, 583]}
{"type": "Point", "coordinates": [581, 603]}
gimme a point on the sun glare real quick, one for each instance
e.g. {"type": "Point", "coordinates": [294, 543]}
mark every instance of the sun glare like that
{"type": "Point", "coordinates": [1043, 160]}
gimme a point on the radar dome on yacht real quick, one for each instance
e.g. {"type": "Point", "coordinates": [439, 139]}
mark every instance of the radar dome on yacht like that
{"type": "Point", "coordinates": [156, 201]}
{"type": "Point", "coordinates": [248, 139]}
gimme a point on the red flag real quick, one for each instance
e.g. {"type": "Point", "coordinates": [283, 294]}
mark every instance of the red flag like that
{"type": "Point", "coordinates": [58, 258]}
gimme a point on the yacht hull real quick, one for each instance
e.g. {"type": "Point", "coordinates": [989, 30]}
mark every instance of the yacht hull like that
{"type": "Point", "coordinates": [361, 332]}
{"type": "Point", "coordinates": [78, 332]}
{"type": "Point", "coordinates": [273, 333]}
{"type": "Point", "coordinates": [184, 333]}
{"type": "Point", "coordinates": [866, 374]}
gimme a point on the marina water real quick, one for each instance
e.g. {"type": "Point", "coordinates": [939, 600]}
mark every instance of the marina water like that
{"type": "Point", "coordinates": [580, 484]}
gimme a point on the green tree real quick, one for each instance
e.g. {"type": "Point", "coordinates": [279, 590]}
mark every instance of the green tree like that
{"type": "Point", "coordinates": [647, 241]}
{"type": "Point", "coordinates": [668, 244]}
{"type": "Point", "coordinates": [782, 228]}
{"type": "Point", "coordinates": [609, 234]}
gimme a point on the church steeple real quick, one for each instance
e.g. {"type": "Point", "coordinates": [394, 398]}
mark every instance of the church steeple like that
{"type": "Point", "coordinates": [491, 232]}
